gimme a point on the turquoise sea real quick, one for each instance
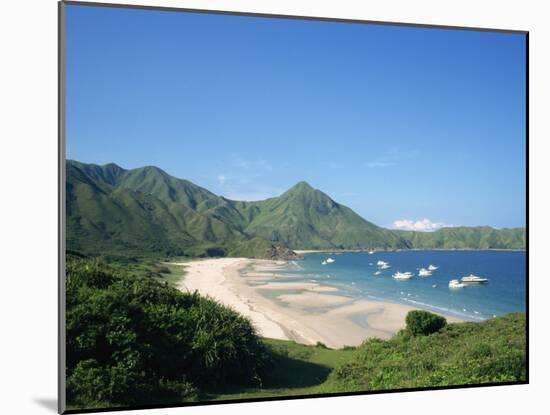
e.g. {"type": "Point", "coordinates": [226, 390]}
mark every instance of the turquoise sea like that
{"type": "Point", "coordinates": [353, 273]}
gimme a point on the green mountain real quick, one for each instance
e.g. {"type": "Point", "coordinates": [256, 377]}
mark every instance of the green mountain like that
{"type": "Point", "coordinates": [304, 217]}
{"type": "Point", "coordinates": [145, 211]}
{"type": "Point", "coordinates": [116, 214]}
{"type": "Point", "coordinates": [462, 237]}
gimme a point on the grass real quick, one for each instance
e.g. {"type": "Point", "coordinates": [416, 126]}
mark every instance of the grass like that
{"type": "Point", "coordinates": [199, 348]}
{"type": "Point", "coordinates": [154, 268]}
{"type": "Point", "coordinates": [459, 354]}
{"type": "Point", "coordinates": [298, 369]}
{"type": "Point", "coordinates": [172, 274]}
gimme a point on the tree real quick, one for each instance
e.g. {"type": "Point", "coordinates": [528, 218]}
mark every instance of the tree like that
{"type": "Point", "coordinates": [424, 323]}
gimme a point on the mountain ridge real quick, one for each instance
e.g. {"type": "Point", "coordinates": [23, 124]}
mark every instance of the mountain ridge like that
{"type": "Point", "coordinates": [142, 211]}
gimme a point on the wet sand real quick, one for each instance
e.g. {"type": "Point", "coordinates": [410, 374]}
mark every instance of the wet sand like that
{"type": "Point", "coordinates": [306, 312]}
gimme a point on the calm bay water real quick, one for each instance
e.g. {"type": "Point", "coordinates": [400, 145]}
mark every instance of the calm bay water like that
{"type": "Point", "coordinates": [353, 274]}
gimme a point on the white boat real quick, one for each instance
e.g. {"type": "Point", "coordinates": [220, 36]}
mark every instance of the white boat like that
{"type": "Point", "coordinates": [402, 275]}
{"type": "Point", "coordinates": [330, 260]}
{"type": "Point", "coordinates": [385, 266]}
{"type": "Point", "coordinates": [380, 263]}
{"type": "Point", "coordinates": [324, 263]}
{"type": "Point", "coordinates": [371, 252]}
{"type": "Point", "coordinates": [378, 273]}
{"type": "Point", "coordinates": [434, 285]}
{"type": "Point", "coordinates": [474, 279]}
{"type": "Point", "coordinates": [423, 272]}
{"type": "Point", "coordinates": [456, 284]}
{"type": "Point", "coordinates": [432, 267]}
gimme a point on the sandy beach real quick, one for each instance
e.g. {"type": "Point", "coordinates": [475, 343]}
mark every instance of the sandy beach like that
{"type": "Point", "coordinates": [306, 312]}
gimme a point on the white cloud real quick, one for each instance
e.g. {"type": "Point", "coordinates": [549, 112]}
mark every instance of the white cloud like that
{"type": "Point", "coordinates": [374, 164]}
{"type": "Point", "coordinates": [423, 225]}
{"type": "Point", "coordinates": [221, 179]}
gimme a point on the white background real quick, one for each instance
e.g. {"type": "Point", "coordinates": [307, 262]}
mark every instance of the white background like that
{"type": "Point", "coordinates": [28, 204]}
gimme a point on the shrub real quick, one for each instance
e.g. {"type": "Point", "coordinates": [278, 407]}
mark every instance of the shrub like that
{"type": "Point", "coordinates": [424, 323]}
{"type": "Point", "coordinates": [463, 353]}
{"type": "Point", "coordinates": [133, 340]}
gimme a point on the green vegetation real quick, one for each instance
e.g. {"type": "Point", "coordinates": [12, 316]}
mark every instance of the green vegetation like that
{"type": "Point", "coordinates": [133, 340]}
{"type": "Point", "coordinates": [152, 268]}
{"type": "Point", "coordinates": [297, 369]}
{"type": "Point", "coordinates": [141, 212]}
{"type": "Point", "coordinates": [306, 218]}
{"type": "Point", "coordinates": [423, 323]}
{"type": "Point", "coordinates": [459, 354]}
{"type": "Point", "coordinates": [461, 237]}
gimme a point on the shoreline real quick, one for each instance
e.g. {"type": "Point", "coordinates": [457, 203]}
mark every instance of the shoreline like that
{"type": "Point", "coordinates": [322, 251]}
{"type": "Point", "coordinates": [306, 312]}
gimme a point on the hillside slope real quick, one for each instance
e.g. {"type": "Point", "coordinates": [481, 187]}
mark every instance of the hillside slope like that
{"type": "Point", "coordinates": [145, 211]}
{"type": "Point", "coordinates": [462, 237]}
{"type": "Point", "coordinates": [304, 217]}
{"type": "Point", "coordinates": [106, 216]}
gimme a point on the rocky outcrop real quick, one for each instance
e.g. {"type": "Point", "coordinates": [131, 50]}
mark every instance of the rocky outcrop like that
{"type": "Point", "coordinates": [282, 253]}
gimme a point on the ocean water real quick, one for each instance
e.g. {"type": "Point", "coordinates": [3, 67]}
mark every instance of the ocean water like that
{"type": "Point", "coordinates": [353, 274]}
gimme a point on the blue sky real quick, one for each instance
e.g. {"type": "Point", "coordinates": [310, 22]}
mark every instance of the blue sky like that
{"type": "Point", "coordinates": [398, 123]}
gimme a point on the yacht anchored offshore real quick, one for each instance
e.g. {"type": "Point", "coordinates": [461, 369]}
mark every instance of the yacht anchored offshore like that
{"type": "Point", "coordinates": [432, 267]}
{"type": "Point", "coordinates": [402, 275]}
{"type": "Point", "coordinates": [423, 272]}
{"type": "Point", "coordinates": [456, 284]}
{"type": "Point", "coordinates": [474, 279]}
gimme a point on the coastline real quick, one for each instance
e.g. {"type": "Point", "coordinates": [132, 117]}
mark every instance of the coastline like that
{"type": "Point", "coordinates": [322, 251]}
{"type": "Point", "coordinates": [306, 312]}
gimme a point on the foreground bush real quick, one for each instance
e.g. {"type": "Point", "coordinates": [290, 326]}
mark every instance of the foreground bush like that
{"type": "Point", "coordinates": [460, 354]}
{"type": "Point", "coordinates": [423, 323]}
{"type": "Point", "coordinates": [134, 340]}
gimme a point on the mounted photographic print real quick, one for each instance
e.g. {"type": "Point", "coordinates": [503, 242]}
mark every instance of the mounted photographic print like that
{"type": "Point", "coordinates": [262, 207]}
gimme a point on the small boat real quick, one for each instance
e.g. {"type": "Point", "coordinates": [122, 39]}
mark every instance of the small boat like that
{"type": "Point", "coordinates": [385, 266]}
{"type": "Point", "coordinates": [371, 252]}
{"type": "Point", "coordinates": [324, 263]}
{"type": "Point", "coordinates": [474, 279]}
{"type": "Point", "coordinates": [402, 275]}
{"type": "Point", "coordinates": [432, 267]}
{"type": "Point", "coordinates": [380, 263]}
{"type": "Point", "coordinates": [456, 284]}
{"type": "Point", "coordinates": [378, 273]}
{"type": "Point", "coordinates": [434, 285]}
{"type": "Point", "coordinates": [423, 272]}
{"type": "Point", "coordinates": [330, 260]}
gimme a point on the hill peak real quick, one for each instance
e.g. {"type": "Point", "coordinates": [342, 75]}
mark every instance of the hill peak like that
{"type": "Point", "coordinates": [301, 186]}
